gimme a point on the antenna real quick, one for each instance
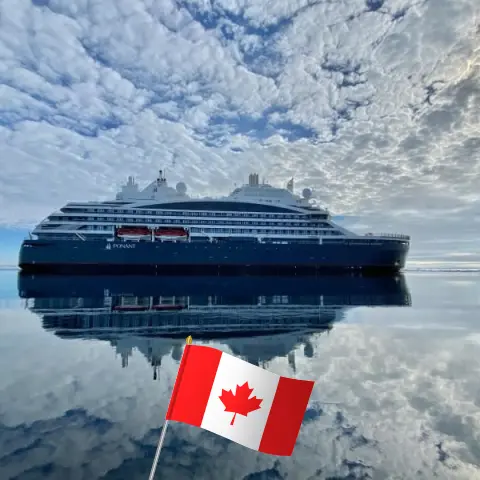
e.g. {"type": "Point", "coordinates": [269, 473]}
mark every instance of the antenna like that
{"type": "Point", "coordinates": [290, 185]}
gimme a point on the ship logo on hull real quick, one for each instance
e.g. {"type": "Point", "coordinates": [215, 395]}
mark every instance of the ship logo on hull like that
{"type": "Point", "coordinates": [123, 245]}
{"type": "Point", "coordinates": [109, 246]}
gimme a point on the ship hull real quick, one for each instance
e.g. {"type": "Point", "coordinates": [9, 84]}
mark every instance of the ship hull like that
{"type": "Point", "coordinates": [165, 257]}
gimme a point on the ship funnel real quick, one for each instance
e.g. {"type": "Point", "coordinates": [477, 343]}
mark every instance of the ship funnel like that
{"type": "Point", "coordinates": [253, 180]}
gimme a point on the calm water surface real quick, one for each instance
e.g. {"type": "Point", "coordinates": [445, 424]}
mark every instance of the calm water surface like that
{"type": "Point", "coordinates": [88, 365]}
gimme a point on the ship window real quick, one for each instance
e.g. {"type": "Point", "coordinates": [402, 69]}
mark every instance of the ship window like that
{"type": "Point", "coordinates": [214, 206]}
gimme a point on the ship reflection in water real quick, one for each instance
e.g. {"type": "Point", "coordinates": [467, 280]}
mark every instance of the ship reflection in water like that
{"type": "Point", "coordinates": [259, 318]}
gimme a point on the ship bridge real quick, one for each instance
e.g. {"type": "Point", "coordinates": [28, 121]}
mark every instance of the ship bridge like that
{"type": "Point", "coordinates": [263, 192]}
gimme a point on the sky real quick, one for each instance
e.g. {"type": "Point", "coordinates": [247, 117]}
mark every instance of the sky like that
{"type": "Point", "coordinates": [373, 104]}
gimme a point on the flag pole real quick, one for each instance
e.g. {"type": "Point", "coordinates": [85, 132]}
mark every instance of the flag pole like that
{"type": "Point", "coordinates": [162, 435]}
{"type": "Point", "coordinates": [159, 448]}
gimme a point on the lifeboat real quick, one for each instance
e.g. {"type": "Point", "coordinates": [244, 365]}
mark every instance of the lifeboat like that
{"type": "Point", "coordinates": [143, 308]}
{"type": "Point", "coordinates": [171, 233]}
{"type": "Point", "coordinates": [133, 233]}
{"type": "Point", "coordinates": [130, 308]}
{"type": "Point", "coordinates": [168, 308]}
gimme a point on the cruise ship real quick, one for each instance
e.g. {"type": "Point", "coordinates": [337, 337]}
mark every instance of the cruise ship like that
{"type": "Point", "coordinates": [162, 229]}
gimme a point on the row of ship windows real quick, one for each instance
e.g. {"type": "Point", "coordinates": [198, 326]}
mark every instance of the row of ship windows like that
{"type": "Point", "coordinates": [237, 230]}
{"type": "Point", "coordinates": [176, 213]}
{"type": "Point", "coordinates": [200, 300]}
{"type": "Point", "coordinates": [179, 222]}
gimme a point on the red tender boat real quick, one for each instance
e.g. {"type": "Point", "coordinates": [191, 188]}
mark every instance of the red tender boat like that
{"type": "Point", "coordinates": [171, 233]}
{"type": "Point", "coordinates": [168, 308]}
{"type": "Point", "coordinates": [130, 308]}
{"type": "Point", "coordinates": [133, 232]}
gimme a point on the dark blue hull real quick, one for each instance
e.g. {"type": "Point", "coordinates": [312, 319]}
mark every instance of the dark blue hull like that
{"type": "Point", "coordinates": [158, 257]}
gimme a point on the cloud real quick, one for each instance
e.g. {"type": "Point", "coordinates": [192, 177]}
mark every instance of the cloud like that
{"type": "Point", "coordinates": [375, 104]}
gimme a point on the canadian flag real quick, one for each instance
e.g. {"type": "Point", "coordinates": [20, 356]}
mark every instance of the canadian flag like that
{"type": "Point", "coordinates": [239, 401]}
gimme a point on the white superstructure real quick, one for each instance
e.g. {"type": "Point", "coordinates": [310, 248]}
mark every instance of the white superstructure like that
{"type": "Point", "coordinates": [256, 211]}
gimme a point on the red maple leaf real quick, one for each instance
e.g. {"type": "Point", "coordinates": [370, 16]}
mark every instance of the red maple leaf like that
{"type": "Point", "coordinates": [239, 402]}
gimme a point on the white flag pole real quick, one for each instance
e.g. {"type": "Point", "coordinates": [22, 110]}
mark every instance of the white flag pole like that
{"type": "Point", "coordinates": [162, 436]}
{"type": "Point", "coordinates": [159, 448]}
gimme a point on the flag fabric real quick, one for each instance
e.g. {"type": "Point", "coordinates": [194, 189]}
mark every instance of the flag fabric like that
{"type": "Point", "coordinates": [239, 401]}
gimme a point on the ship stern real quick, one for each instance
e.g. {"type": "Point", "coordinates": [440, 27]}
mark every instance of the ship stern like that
{"type": "Point", "coordinates": [24, 257]}
{"type": "Point", "coordinates": [32, 254]}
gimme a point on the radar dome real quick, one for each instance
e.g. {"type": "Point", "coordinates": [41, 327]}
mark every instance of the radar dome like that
{"type": "Point", "coordinates": [307, 193]}
{"type": "Point", "coordinates": [181, 188]}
